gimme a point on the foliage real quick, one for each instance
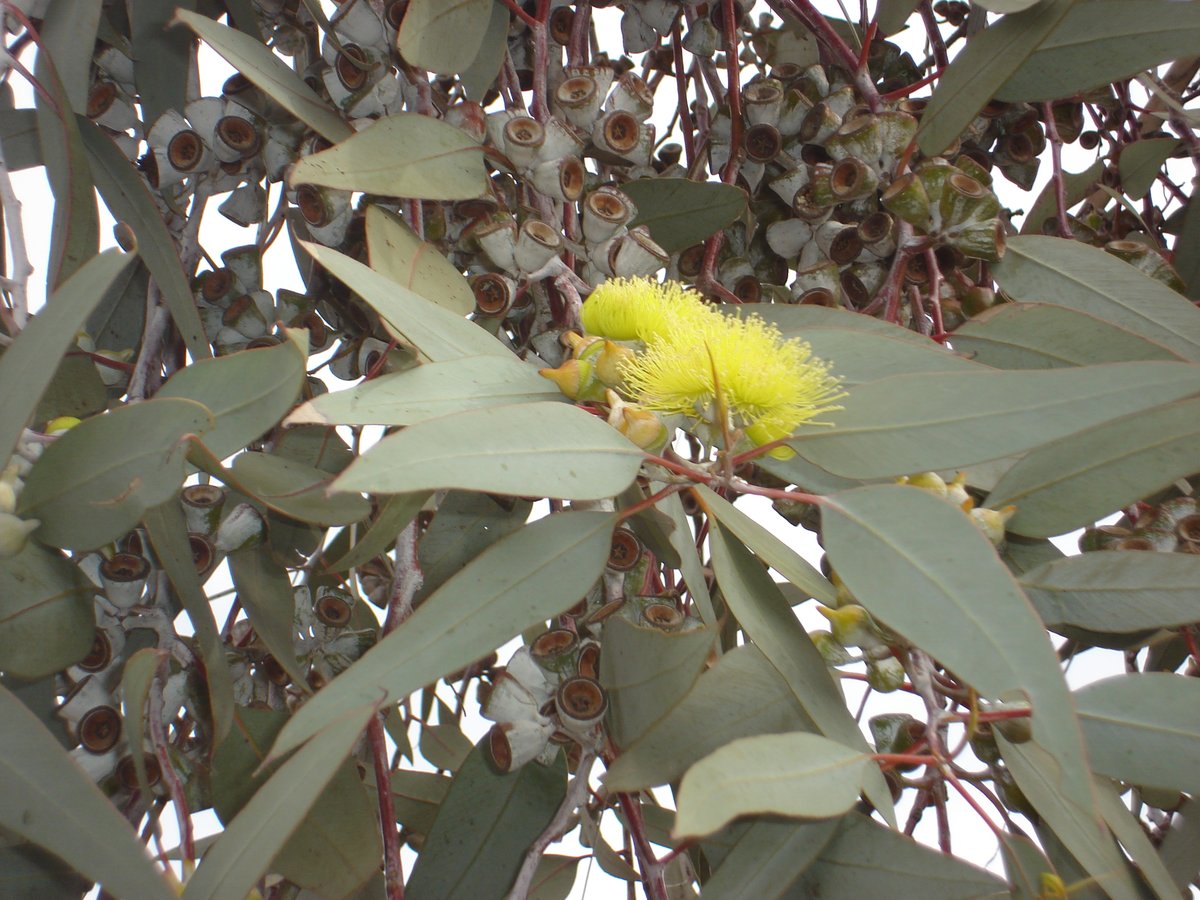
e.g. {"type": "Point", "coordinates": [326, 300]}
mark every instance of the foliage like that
{"type": "Point", "coordinates": [857, 325]}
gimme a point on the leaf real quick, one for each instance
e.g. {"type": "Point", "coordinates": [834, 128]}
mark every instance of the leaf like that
{"type": "Point", "coordinates": [768, 858]}
{"type": "Point", "coordinates": [137, 677]}
{"type": "Point", "coordinates": [248, 392]}
{"type": "Point", "coordinates": [75, 225]}
{"type": "Point", "coordinates": [864, 859]}
{"type": "Point", "coordinates": [1187, 250]}
{"type": "Point", "coordinates": [443, 37]}
{"type": "Point", "coordinates": [1047, 336]}
{"type": "Point", "coordinates": [18, 130]}
{"type": "Point", "coordinates": [167, 530]}
{"type": "Point", "coordinates": [1006, 6]}
{"type": "Point", "coordinates": [770, 549]}
{"type": "Point", "coordinates": [269, 601]}
{"type": "Point", "coordinates": [402, 155]}
{"type": "Point", "coordinates": [160, 57]}
{"type": "Point", "coordinates": [554, 877]}
{"type": "Point", "coordinates": [96, 481]}
{"type": "Point", "coordinates": [73, 25]}
{"type": "Point", "coordinates": [465, 525]}
{"type": "Point", "coordinates": [444, 745]}
{"type": "Point", "coordinates": [436, 332]}
{"type": "Point", "coordinates": [530, 449]}
{"type": "Point", "coordinates": [646, 671]}
{"type": "Point", "coordinates": [1074, 481]}
{"type": "Point", "coordinates": [1116, 592]}
{"type": "Point", "coordinates": [396, 511]}
{"type": "Point", "coordinates": [768, 621]}
{"type": "Point", "coordinates": [244, 851]}
{"type": "Point", "coordinates": [271, 74]}
{"type": "Point", "coordinates": [684, 543]}
{"type": "Point", "coordinates": [416, 797]}
{"type": "Point", "coordinates": [477, 78]}
{"type": "Point", "coordinates": [430, 390]}
{"type": "Point", "coordinates": [50, 801]}
{"type": "Point", "coordinates": [337, 846]}
{"type": "Point", "coordinates": [295, 490]}
{"type": "Point", "coordinates": [484, 828]}
{"type": "Point", "coordinates": [1103, 41]}
{"type": "Point", "coordinates": [531, 575]}
{"type": "Point", "coordinates": [28, 871]}
{"type": "Point", "coordinates": [1088, 279]}
{"type": "Point", "coordinates": [1140, 162]}
{"type": "Point", "coordinates": [126, 195]}
{"type": "Point", "coordinates": [75, 389]}
{"type": "Point", "coordinates": [740, 696]}
{"type": "Point", "coordinates": [1076, 187]}
{"type": "Point", "coordinates": [680, 212]}
{"type": "Point", "coordinates": [1180, 849]}
{"type": "Point", "coordinates": [1144, 728]}
{"type": "Point", "coordinates": [1128, 830]}
{"type": "Point", "coordinates": [987, 62]}
{"type": "Point", "coordinates": [797, 774]}
{"type": "Point", "coordinates": [46, 615]}
{"type": "Point", "coordinates": [396, 252]}
{"type": "Point", "coordinates": [891, 15]}
{"type": "Point", "coordinates": [858, 355]}
{"type": "Point", "coordinates": [918, 423]}
{"type": "Point", "coordinates": [1040, 778]}
{"type": "Point", "coordinates": [35, 355]}
{"type": "Point", "coordinates": [795, 321]}
{"type": "Point", "coordinates": [924, 570]}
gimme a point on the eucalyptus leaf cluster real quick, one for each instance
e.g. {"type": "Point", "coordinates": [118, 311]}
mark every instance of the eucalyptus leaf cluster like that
{"type": "Point", "coordinates": [466, 561]}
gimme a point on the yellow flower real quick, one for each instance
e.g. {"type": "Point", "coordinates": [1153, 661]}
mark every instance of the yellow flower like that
{"type": "Point", "coordinates": [641, 309]}
{"type": "Point", "coordinates": [742, 368]}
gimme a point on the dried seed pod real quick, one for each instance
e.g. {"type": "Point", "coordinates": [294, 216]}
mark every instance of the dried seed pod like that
{"type": "Point", "coordinates": [523, 138]}
{"type": "Point", "coordinates": [238, 136]}
{"type": "Point", "coordinates": [851, 178]}
{"type": "Point", "coordinates": [103, 650]}
{"type": "Point", "coordinates": [819, 296]}
{"type": "Point", "coordinates": [202, 505]}
{"type": "Point", "coordinates": [763, 101]}
{"type": "Point", "coordinates": [513, 744]}
{"type": "Point", "coordinates": [563, 179]}
{"type": "Point", "coordinates": [588, 661]}
{"type": "Point", "coordinates": [333, 607]}
{"type": "Point", "coordinates": [124, 578]}
{"type": "Point", "coordinates": [493, 294]}
{"type": "Point", "coordinates": [632, 95]}
{"type": "Point", "coordinates": [204, 554]}
{"type": "Point", "coordinates": [605, 211]}
{"type": "Point", "coordinates": [99, 729]}
{"type": "Point", "coordinates": [126, 772]}
{"type": "Point", "coordinates": [663, 616]}
{"type": "Point", "coordinates": [907, 199]}
{"type": "Point", "coordinates": [497, 236]}
{"type": "Point", "coordinates": [554, 650]}
{"type": "Point", "coordinates": [537, 244]}
{"type": "Point", "coordinates": [626, 551]}
{"type": "Point", "coordinates": [819, 124]}
{"type": "Point", "coordinates": [762, 142]}
{"type": "Point", "coordinates": [965, 201]}
{"type": "Point", "coordinates": [581, 704]}
{"type": "Point", "coordinates": [634, 254]}
{"type": "Point", "coordinates": [616, 133]}
{"type": "Point", "coordinates": [878, 233]}
{"type": "Point", "coordinates": [579, 98]}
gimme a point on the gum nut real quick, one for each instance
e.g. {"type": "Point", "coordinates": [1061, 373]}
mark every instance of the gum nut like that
{"type": "Point", "coordinates": [14, 534]}
{"type": "Point", "coordinates": [992, 521]}
{"type": "Point", "coordinates": [929, 481]}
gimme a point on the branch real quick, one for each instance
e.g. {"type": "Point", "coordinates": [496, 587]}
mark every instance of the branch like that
{"type": "Point", "coordinates": [563, 821]}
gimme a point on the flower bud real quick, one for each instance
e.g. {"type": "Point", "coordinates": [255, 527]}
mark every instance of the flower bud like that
{"type": "Point", "coordinates": [576, 378]}
{"type": "Point", "coordinates": [14, 534]}
{"type": "Point", "coordinates": [644, 427]}
{"type": "Point", "coordinates": [831, 651]}
{"type": "Point", "coordinates": [992, 521]}
{"type": "Point", "coordinates": [885, 675]}
{"type": "Point", "coordinates": [852, 626]}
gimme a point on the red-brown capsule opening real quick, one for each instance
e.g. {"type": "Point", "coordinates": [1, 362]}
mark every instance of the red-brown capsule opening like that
{"type": "Point", "coordinates": [748, 289]}
{"type": "Point", "coordinates": [762, 142]}
{"type": "Point", "coordinates": [333, 610]}
{"type": "Point", "coordinates": [571, 177]}
{"type": "Point", "coordinates": [101, 654]}
{"type": "Point", "coordinates": [1017, 147]}
{"type": "Point", "coordinates": [562, 20]}
{"type": "Point", "coordinates": [813, 122]}
{"type": "Point", "coordinates": [351, 67]}
{"type": "Point", "coordinates": [311, 203]}
{"type": "Point", "coordinates": [185, 150]}
{"type": "Point", "coordinates": [523, 131]}
{"type": "Point", "coordinates": [100, 99]}
{"type": "Point", "coordinates": [917, 271]}
{"type": "Point", "coordinates": [608, 206]}
{"type": "Point", "coordinates": [493, 294]}
{"type": "Point", "coordinates": [588, 664]}
{"type": "Point", "coordinates": [542, 233]}
{"type": "Point", "coordinates": [764, 92]}
{"type": "Point", "coordinates": [240, 134]}
{"type": "Point", "coordinates": [581, 699]}
{"type": "Point", "coordinates": [204, 554]}
{"type": "Point", "coordinates": [125, 567]}
{"type": "Point", "coordinates": [500, 748]}
{"type": "Point", "coordinates": [276, 674]}
{"type": "Point", "coordinates": [317, 332]}
{"type": "Point", "coordinates": [474, 209]}
{"type": "Point", "coordinates": [236, 309]}
{"type": "Point", "coordinates": [576, 92]}
{"type": "Point", "coordinates": [966, 186]}
{"type": "Point", "coordinates": [216, 284]}
{"type": "Point", "coordinates": [1188, 528]}
{"type": "Point", "coordinates": [849, 177]}
{"type": "Point", "coordinates": [1132, 543]}
{"type": "Point", "coordinates": [691, 261]}
{"type": "Point", "coordinates": [716, 14]}
{"type": "Point", "coordinates": [203, 496]}
{"type": "Point", "coordinates": [235, 84]}
{"type": "Point", "coordinates": [914, 106]}
{"type": "Point", "coordinates": [621, 131]}
{"type": "Point", "coordinates": [663, 615]}
{"type": "Point", "coordinates": [394, 13]}
{"type": "Point", "coordinates": [626, 550]}
{"type": "Point", "coordinates": [876, 227]}
{"type": "Point", "coordinates": [856, 292]}
{"type": "Point", "coordinates": [99, 729]}
{"type": "Point", "coordinates": [845, 246]}
{"type": "Point", "coordinates": [127, 771]}
{"type": "Point", "coordinates": [818, 296]}
{"type": "Point", "coordinates": [814, 154]}
{"type": "Point", "coordinates": [553, 643]}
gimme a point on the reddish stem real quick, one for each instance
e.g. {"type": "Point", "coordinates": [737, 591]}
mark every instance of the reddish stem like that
{"type": "Point", "coordinates": [393, 873]}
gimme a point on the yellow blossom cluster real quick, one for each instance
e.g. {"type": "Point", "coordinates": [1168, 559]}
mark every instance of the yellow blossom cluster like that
{"type": "Point", "coordinates": [722, 371]}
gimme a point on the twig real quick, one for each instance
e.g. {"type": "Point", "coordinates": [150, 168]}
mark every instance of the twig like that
{"type": "Point", "coordinates": [816, 22]}
{"type": "Point", "coordinates": [936, 43]}
{"type": "Point", "coordinates": [158, 738]}
{"type": "Point", "coordinates": [733, 94]}
{"type": "Point", "coordinates": [681, 80]}
{"type": "Point", "coordinates": [406, 581]}
{"type": "Point", "coordinates": [1060, 186]}
{"type": "Point", "coordinates": [18, 281]}
{"type": "Point", "coordinates": [563, 821]}
{"type": "Point", "coordinates": [652, 875]}
{"type": "Point", "coordinates": [393, 873]}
